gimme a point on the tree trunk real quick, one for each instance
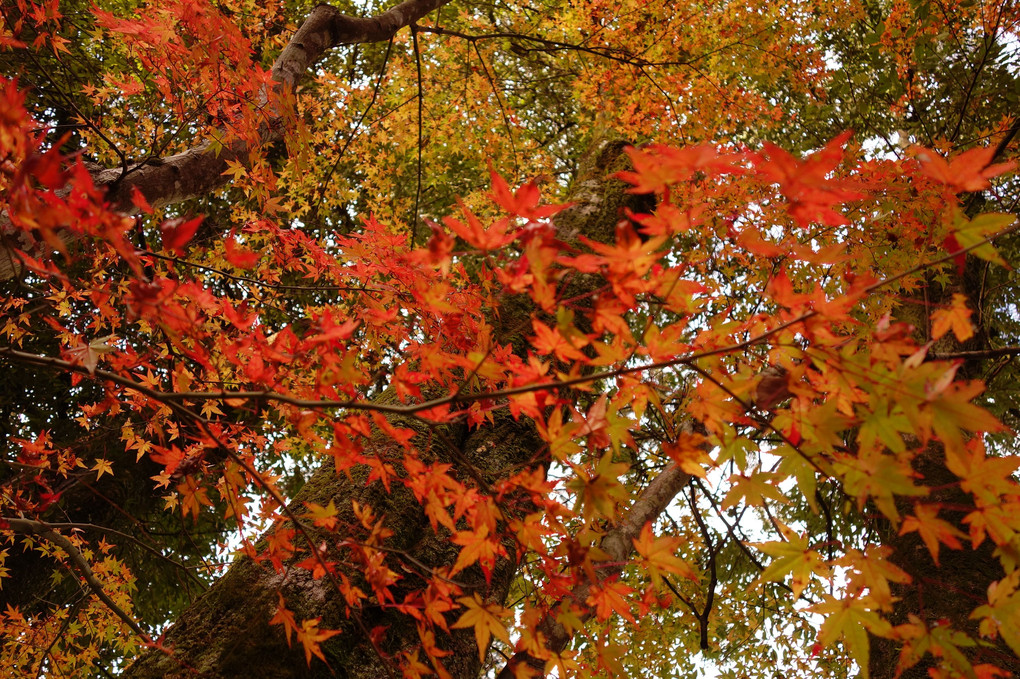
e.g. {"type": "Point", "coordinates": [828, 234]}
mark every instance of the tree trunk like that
{"type": "Point", "coordinates": [941, 595]}
{"type": "Point", "coordinates": [226, 632]}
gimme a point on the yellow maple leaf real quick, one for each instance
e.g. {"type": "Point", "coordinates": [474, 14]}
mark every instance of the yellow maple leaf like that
{"type": "Point", "coordinates": [485, 619]}
{"type": "Point", "coordinates": [790, 556]}
{"type": "Point", "coordinates": [102, 467]}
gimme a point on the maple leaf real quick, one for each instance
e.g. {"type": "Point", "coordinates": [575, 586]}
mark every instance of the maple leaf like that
{"type": "Point", "coordinates": [311, 636]}
{"type": "Point", "coordinates": [807, 184]}
{"type": "Point", "coordinates": [139, 201]}
{"type": "Point", "coordinates": [524, 202]}
{"type": "Point", "coordinates": [411, 666]}
{"type": "Point", "coordinates": [850, 619]}
{"type": "Point", "coordinates": [102, 467]}
{"type": "Point", "coordinates": [599, 490]}
{"type": "Point", "coordinates": [754, 490]}
{"type": "Point", "coordinates": [790, 556]}
{"type": "Point", "coordinates": [551, 341]}
{"type": "Point", "coordinates": [988, 478]}
{"type": "Point", "coordinates": [872, 571]}
{"type": "Point", "coordinates": [608, 597]}
{"type": "Point", "coordinates": [955, 318]}
{"type": "Point", "coordinates": [987, 671]}
{"type": "Point", "coordinates": [969, 234]}
{"type": "Point", "coordinates": [324, 517]}
{"type": "Point", "coordinates": [480, 547]}
{"type": "Point", "coordinates": [933, 530]}
{"type": "Point", "coordinates": [178, 231]}
{"type": "Point", "coordinates": [485, 619]}
{"type": "Point", "coordinates": [631, 255]}
{"type": "Point", "coordinates": [772, 387]}
{"type": "Point", "coordinates": [476, 234]}
{"type": "Point", "coordinates": [688, 451]}
{"type": "Point", "coordinates": [238, 256]}
{"type": "Point", "coordinates": [88, 354]}
{"type": "Point", "coordinates": [938, 638]}
{"type": "Point", "coordinates": [966, 172]}
{"type": "Point", "coordinates": [559, 435]}
{"type": "Point", "coordinates": [284, 617]}
{"type": "Point", "coordinates": [236, 169]}
{"type": "Point", "coordinates": [440, 247]}
{"type": "Point", "coordinates": [192, 497]}
{"type": "Point", "coordinates": [1001, 614]}
{"type": "Point", "coordinates": [953, 412]}
{"type": "Point", "coordinates": [875, 476]}
{"type": "Point", "coordinates": [659, 555]}
{"type": "Point", "coordinates": [47, 167]}
{"type": "Point", "coordinates": [658, 166]}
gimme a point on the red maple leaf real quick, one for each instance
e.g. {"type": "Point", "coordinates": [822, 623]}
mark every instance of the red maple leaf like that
{"type": "Point", "coordinates": [808, 184]}
{"type": "Point", "coordinates": [967, 172]}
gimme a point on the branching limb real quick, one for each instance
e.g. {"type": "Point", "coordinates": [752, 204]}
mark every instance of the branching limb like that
{"type": "Point", "coordinates": [200, 169]}
{"type": "Point", "coordinates": [618, 545]}
{"type": "Point", "coordinates": [46, 532]}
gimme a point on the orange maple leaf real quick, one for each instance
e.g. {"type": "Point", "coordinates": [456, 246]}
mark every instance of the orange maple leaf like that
{"type": "Point", "coordinates": [659, 555]}
{"type": "Point", "coordinates": [284, 617]}
{"type": "Point", "coordinates": [551, 341]}
{"type": "Point", "coordinates": [658, 166]}
{"type": "Point", "coordinates": [310, 636]}
{"type": "Point", "coordinates": [485, 619]}
{"type": "Point", "coordinates": [955, 318]}
{"type": "Point", "coordinates": [524, 202]}
{"type": "Point", "coordinates": [609, 597]}
{"type": "Point", "coordinates": [688, 451]}
{"type": "Point", "coordinates": [480, 547]}
{"type": "Point", "coordinates": [478, 235]}
{"type": "Point", "coordinates": [933, 530]}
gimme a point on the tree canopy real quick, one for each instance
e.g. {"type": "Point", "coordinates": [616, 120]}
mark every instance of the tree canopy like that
{"type": "Point", "coordinates": [558, 338]}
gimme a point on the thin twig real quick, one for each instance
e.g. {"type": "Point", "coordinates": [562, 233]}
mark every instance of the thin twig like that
{"type": "Point", "coordinates": [354, 131]}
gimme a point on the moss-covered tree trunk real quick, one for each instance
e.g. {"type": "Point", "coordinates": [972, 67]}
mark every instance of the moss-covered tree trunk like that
{"type": "Point", "coordinates": [226, 632]}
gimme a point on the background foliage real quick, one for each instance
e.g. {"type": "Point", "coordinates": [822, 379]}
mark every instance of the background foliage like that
{"type": "Point", "coordinates": [790, 295]}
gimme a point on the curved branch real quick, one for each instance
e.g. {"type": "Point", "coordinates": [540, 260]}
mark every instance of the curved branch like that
{"type": "Point", "coordinates": [201, 169]}
{"type": "Point", "coordinates": [45, 531]}
{"type": "Point", "coordinates": [618, 545]}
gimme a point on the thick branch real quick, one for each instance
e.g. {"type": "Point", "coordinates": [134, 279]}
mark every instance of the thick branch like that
{"type": "Point", "coordinates": [618, 545]}
{"type": "Point", "coordinates": [46, 532]}
{"type": "Point", "coordinates": [201, 169]}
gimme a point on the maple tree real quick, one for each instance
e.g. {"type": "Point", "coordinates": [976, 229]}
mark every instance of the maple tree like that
{"type": "Point", "coordinates": [435, 338]}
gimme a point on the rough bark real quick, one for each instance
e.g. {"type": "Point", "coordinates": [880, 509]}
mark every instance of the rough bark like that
{"type": "Point", "coordinates": [945, 593]}
{"type": "Point", "coordinates": [618, 545]}
{"type": "Point", "coordinates": [199, 170]}
{"type": "Point", "coordinates": [226, 633]}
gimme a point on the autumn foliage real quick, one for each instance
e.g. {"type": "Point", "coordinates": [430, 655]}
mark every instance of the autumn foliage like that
{"type": "Point", "coordinates": [641, 363]}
